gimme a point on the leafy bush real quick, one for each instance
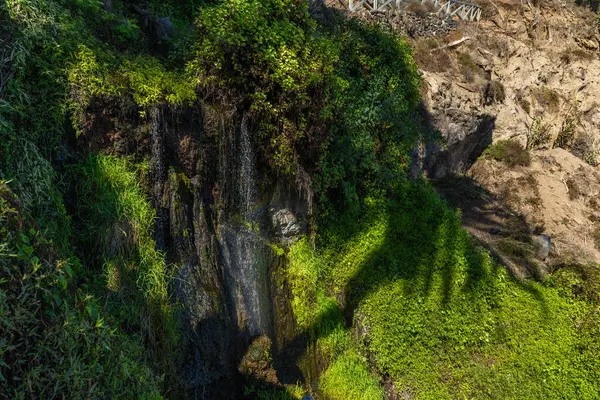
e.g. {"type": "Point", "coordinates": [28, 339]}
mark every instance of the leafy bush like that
{"type": "Point", "coordinates": [117, 221]}
{"type": "Point", "coordinates": [266, 54]}
{"type": "Point", "coordinates": [510, 152]}
{"type": "Point", "coordinates": [374, 119]}
{"type": "Point", "coordinates": [339, 99]}
{"type": "Point", "coordinates": [62, 54]}
{"type": "Point", "coordinates": [57, 339]}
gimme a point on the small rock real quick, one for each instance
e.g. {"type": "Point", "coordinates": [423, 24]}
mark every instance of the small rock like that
{"type": "Point", "coordinates": [543, 244]}
{"type": "Point", "coordinates": [164, 28]}
{"type": "Point", "coordinates": [285, 223]}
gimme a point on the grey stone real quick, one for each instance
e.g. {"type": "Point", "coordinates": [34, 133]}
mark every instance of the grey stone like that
{"type": "Point", "coordinates": [285, 223]}
{"type": "Point", "coordinates": [164, 28]}
{"type": "Point", "coordinates": [543, 244]}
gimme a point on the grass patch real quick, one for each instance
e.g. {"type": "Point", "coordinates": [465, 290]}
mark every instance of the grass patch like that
{"type": "Point", "coordinates": [441, 317]}
{"type": "Point", "coordinates": [468, 67]}
{"type": "Point", "coordinates": [428, 60]}
{"type": "Point", "coordinates": [116, 238]}
{"type": "Point", "coordinates": [538, 134]}
{"type": "Point", "coordinates": [510, 152]}
{"type": "Point", "coordinates": [547, 98]}
{"type": "Point", "coordinates": [348, 377]}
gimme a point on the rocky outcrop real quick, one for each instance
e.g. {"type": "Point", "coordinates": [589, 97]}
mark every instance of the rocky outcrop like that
{"type": "Point", "coordinates": [556, 193]}
{"type": "Point", "coordinates": [223, 224]}
{"type": "Point", "coordinates": [533, 71]}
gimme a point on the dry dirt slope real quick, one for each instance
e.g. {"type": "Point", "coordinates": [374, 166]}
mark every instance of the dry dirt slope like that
{"type": "Point", "coordinates": [557, 193]}
{"type": "Point", "coordinates": [529, 74]}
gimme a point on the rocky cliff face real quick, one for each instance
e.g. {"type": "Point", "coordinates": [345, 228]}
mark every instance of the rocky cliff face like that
{"type": "Point", "coordinates": [524, 73]}
{"type": "Point", "coordinates": [528, 74]}
{"type": "Point", "coordinates": [221, 220]}
{"type": "Point", "coordinates": [533, 70]}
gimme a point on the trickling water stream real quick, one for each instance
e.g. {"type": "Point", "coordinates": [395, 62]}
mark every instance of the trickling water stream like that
{"type": "Point", "coordinates": [215, 220]}
{"type": "Point", "coordinates": [244, 250]}
{"type": "Point", "coordinates": [158, 172]}
{"type": "Point", "coordinates": [247, 171]}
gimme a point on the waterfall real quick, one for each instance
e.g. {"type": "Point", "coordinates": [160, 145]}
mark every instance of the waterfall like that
{"type": "Point", "coordinates": [247, 171]}
{"type": "Point", "coordinates": [158, 173]}
{"type": "Point", "coordinates": [244, 250]}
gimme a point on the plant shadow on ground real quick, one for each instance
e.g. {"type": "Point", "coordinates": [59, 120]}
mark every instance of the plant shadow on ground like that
{"type": "Point", "coordinates": [418, 250]}
{"type": "Point", "coordinates": [502, 231]}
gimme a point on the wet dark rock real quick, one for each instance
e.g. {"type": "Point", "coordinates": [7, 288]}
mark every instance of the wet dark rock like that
{"type": "Point", "coordinates": [256, 364]}
{"type": "Point", "coordinates": [216, 216]}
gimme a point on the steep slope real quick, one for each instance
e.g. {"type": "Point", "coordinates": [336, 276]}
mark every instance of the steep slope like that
{"type": "Point", "coordinates": [222, 200]}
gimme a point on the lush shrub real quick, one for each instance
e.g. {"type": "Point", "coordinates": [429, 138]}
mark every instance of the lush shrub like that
{"type": "Point", "coordinates": [373, 113]}
{"type": "Point", "coordinates": [61, 54]}
{"type": "Point", "coordinates": [266, 54]}
{"type": "Point", "coordinates": [338, 99]}
{"type": "Point", "coordinates": [117, 222]}
{"type": "Point", "coordinates": [57, 339]}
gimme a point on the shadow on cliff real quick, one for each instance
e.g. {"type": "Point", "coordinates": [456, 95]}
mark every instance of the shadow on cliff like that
{"type": "Point", "coordinates": [502, 231]}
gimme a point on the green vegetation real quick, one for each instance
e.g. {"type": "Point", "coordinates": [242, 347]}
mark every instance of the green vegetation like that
{"type": "Point", "coordinates": [390, 285]}
{"type": "Point", "coordinates": [101, 325]}
{"type": "Point", "coordinates": [57, 338]}
{"type": "Point", "coordinates": [267, 53]}
{"type": "Point", "coordinates": [347, 378]}
{"type": "Point", "coordinates": [510, 152]}
{"type": "Point", "coordinates": [440, 316]}
{"type": "Point", "coordinates": [339, 99]}
{"type": "Point", "coordinates": [116, 238]}
{"type": "Point", "coordinates": [538, 134]}
{"type": "Point", "coordinates": [566, 134]}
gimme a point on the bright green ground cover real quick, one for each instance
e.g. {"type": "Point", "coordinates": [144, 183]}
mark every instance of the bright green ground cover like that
{"type": "Point", "coordinates": [441, 317]}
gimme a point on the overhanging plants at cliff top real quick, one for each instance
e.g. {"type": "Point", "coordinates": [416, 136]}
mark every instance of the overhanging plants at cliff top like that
{"type": "Point", "coordinates": [266, 55]}
{"type": "Point", "coordinates": [334, 97]}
